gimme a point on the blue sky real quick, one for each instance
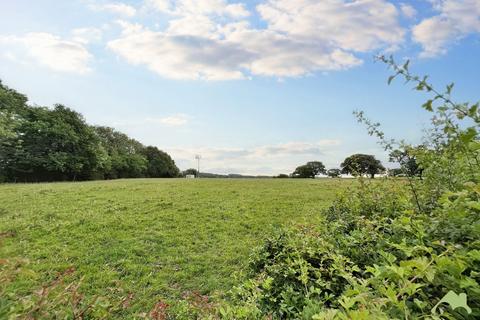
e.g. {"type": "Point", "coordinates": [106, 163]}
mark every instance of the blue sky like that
{"type": "Point", "coordinates": [255, 87]}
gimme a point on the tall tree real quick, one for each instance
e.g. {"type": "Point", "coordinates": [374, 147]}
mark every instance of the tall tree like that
{"type": "Point", "coordinates": [126, 159]}
{"type": "Point", "coordinates": [12, 105]}
{"type": "Point", "coordinates": [360, 164]}
{"type": "Point", "coordinates": [160, 164]}
{"type": "Point", "coordinates": [52, 145]}
{"type": "Point", "coordinates": [317, 167]}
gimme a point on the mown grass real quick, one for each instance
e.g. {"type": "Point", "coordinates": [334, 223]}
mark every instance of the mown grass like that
{"type": "Point", "coordinates": [154, 238]}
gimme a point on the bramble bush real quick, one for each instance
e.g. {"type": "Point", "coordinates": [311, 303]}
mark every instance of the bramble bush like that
{"type": "Point", "coordinates": [390, 249]}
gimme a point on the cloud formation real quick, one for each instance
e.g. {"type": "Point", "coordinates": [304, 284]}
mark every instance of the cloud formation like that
{"type": "Point", "coordinates": [456, 19]}
{"type": "Point", "coordinates": [53, 52]}
{"type": "Point", "coordinates": [214, 40]}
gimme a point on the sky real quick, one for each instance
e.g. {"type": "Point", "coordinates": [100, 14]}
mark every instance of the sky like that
{"type": "Point", "coordinates": [254, 87]}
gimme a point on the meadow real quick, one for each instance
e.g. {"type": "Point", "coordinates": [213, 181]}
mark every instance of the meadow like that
{"type": "Point", "coordinates": [152, 239]}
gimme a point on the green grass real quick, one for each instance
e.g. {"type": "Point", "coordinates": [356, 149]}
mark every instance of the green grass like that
{"type": "Point", "coordinates": [156, 238]}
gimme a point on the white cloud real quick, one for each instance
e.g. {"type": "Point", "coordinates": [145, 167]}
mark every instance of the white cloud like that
{"type": "Point", "coordinates": [50, 51]}
{"type": "Point", "coordinates": [211, 39]}
{"type": "Point", "coordinates": [196, 7]}
{"type": "Point", "coordinates": [267, 159]}
{"type": "Point", "coordinates": [360, 25]}
{"type": "Point", "coordinates": [182, 56]}
{"type": "Point", "coordinates": [455, 20]}
{"type": "Point", "coordinates": [408, 11]}
{"type": "Point", "coordinates": [115, 8]}
{"type": "Point", "coordinates": [86, 35]}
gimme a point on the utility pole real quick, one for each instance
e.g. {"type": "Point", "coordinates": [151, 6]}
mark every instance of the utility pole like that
{"type": "Point", "coordinates": [198, 157]}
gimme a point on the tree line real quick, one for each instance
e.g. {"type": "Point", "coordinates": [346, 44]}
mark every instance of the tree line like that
{"type": "Point", "coordinates": [56, 144]}
{"type": "Point", "coordinates": [362, 164]}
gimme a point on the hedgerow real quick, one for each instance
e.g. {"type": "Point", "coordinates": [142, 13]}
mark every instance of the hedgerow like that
{"type": "Point", "coordinates": [391, 249]}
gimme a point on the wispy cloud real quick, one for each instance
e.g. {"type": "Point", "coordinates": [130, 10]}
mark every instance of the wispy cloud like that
{"type": "Point", "coordinates": [408, 11]}
{"type": "Point", "coordinates": [115, 8]}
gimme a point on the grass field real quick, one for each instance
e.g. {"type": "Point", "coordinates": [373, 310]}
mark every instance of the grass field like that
{"type": "Point", "coordinates": [154, 238]}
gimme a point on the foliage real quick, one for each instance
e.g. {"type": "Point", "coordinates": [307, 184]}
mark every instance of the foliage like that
{"type": "Point", "coordinates": [388, 249]}
{"type": "Point", "coordinates": [361, 164]}
{"type": "Point", "coordinates": [160, 164]}
{"type": "Point", "coordinates": [309, 170]}
{"type": "Point", "coordinates": [42, 144]}
{"type": "Point", "coordinates": [126, 158]}
{"type": "Point", "coordinates": [407, 161]}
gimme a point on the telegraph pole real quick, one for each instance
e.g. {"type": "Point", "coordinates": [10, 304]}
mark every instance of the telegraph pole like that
{"type": "Point", "coordinates": [198, 157]}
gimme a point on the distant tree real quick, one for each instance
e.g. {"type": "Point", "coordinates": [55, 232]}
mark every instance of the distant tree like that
{"type": "Point", "coordinates": [304, 171]}
{"type": "Point", "coordinates": [309, 170]}
{"type": "Point", "coordinates": [190, 171]}
{"type": "Point", "coordinates": [360, 164]}
{"type": "Point", "coordinates": [408, 162]}
{"type": "Point", "coordinates": [282, 176]}
{"type": "Point", "coordinates": [334, 173]}
{"type": "Point", "coordinates": [317, 167]}
{"type": "Point", "coordinates": [160, 164]}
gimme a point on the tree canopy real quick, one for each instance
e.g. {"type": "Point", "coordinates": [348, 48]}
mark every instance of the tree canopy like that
{"type": "Point", "coordinates": [309, 170]}
{"type": "Point", "coordinates": [55, 144]}
{"type": "Point", "coordinates": [361, 164]}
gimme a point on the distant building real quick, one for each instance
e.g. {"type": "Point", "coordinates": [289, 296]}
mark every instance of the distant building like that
{"type": "Point", "coordinates": [190, 176]}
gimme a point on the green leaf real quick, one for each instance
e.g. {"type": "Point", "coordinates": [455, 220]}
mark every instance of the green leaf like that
{"type": "Point", "coordinates": [450, 87]}
{"type": "Point", "coordinates": [473, 110]}
{"type": "Point", "coordinates": [455, 301]}
{"type": "Point", "coordinates": [390, 79]}
{"type": "Point", "coordinates": [468, 135]}
{"type": "Point", "coordinates": [428, 105]}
